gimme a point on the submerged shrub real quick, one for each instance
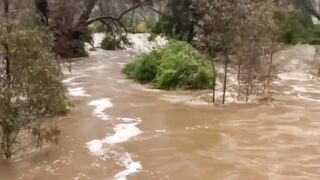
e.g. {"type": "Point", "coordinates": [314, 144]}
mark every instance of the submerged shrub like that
{"type": "Point", "coordinates": [87, 35]}
{"type": "Point", "coordinates": [141, 28]}
{"type": "Point", "coordinates": [31, 91]}
{"type": "Point", "coordinates": [111, 43]}
{"type": "Point", "coordinates": [152, 37]}
{"type": "Point", "coordinates": [176, 66]}
{"type": "Point", "coordinates": [144, 69]}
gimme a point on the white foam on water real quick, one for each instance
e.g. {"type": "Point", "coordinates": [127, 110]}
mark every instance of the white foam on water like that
{"type": "Point", "coordinates": [78, 91]}
{"type": "Point", "coordinates": [296, 76]}
{"type": "Point", "coordinates": [161, 131]}
{"type": "Point", "coordinates": [124, 132]}
{"type": "Point", "coordinates": [308, 99]}
{"type": "Point", "coordinates": [103, 148]}
{"type": "Point", "coordinates": [141, 44]}
{"type": "Point", "coordinates": [305, 89]}
{"type": "Point", "coordinates": [96, 147]}
{"type": "Point", "coordinates": [98, 38]}
{"type": "Point", "coordinates": [100, 106]}
{"type": "Point", "coordinates": [70, 79]}
{"type": "Point", "coordinates": [131, 167]}
{"type": "Point", "coordinates": [130, 120]}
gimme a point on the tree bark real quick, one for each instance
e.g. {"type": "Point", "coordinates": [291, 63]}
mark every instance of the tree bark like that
{"type": "Point", "coordinates": [68, 42]}
{"type": "Point", "coordinates": [226, 64]}
{"type": "Point", "coordinates": [6, 141]}
{"type": "Point", "coordinates": [239, 77]}
{"type": "Point", "coordinates": [270, 67]}
{"type": "Point", "coordinates": [213, 82]}
{"type": "Point", "coordinates": [5, 44]}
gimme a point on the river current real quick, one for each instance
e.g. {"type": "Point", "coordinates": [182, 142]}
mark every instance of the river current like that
{"type": "Point", "coordinates": [120, 130]}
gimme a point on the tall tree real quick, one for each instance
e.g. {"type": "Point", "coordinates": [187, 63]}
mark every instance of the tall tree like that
{"type": "Point", "coordinates": [218, 29]}
{"type": "Point", "coordinates": [68, 22]}
{"type": "Point", "coordinates": [31, 89]}
{"type": "Point", "coordinates": [241, 30]}
{"type": "Point", "coordinates": [178, 20]}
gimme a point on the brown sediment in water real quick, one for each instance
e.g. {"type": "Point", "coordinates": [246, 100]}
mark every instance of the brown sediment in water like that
{"type": "Point", "coordinates": [150, 134]}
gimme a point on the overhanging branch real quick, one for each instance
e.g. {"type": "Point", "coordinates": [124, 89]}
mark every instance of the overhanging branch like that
{"type": "Point", "coordinates": [310, 8]}
{"type": "Point", "coordinates": [118, 19]}
{"type": "Point", "coordinates": [114, 18]}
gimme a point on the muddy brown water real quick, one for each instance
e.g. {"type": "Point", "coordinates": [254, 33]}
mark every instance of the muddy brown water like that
{"type": "Point", "coordinates": [120, 130]}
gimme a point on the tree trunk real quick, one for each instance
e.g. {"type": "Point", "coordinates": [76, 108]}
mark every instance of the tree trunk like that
{"type": "Point", "coordinates": [69, 44]}
{"type": "Point", "coordinates": [6, 130]}
{"type": "Point", "coordinates": [5, 44]}
{"type": "Point", "coordinates": [7, 143]}
{"type": "Point", "coordinates": [191, 32]}
{"type": "Point", "coordinates": [213, 82]}
{"type": "Point", "coordinates": [67, 31]}
{"type": "Point", "coordinates": [226, 63]}
{"type": "Point", "coordinates": [270, 68]}
{"type": "Point", "coordinates": [239, 78]}
{"type": "Point", "coordinates": [132, 17]}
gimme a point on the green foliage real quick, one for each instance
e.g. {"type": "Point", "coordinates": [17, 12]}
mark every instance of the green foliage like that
{"type": "Point", "coordinates": [293, 29]}
{"type": "Point", "coordinates": [98, 27]}
{"type": "Point", "coordinates": [87, 35]}
{"type": "Point", "coordinates": [179, 23]}
{"type": "Point", "coordinates": [152, 37]}
{"type": "Point", "coordinates": [144, 69]}
{"type": "Point", "coordinates": [141, 22]}
{"type": "Point", "coordinates": [176, 66]}
{"type": "Point", "coordinates": [141, 28]}
{"type": "Point", "coordinates": [31, 89]}
{"type": "Point", "coordinates": [111, 43]}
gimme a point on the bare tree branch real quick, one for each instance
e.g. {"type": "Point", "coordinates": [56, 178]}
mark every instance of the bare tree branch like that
{"type": "Point", "coordinates": [311, 9]}
{"type": "Point", "coordinates": [118, 19]}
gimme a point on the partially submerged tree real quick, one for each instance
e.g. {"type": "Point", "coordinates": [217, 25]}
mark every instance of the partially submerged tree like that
{"type": "Point", "coordinates": [68, 20]}
{"type": "Point", "coordinates": [241, 30]}
{"type": "Point", "coordinates": [254, 49]}
{"type": "Point", "coordinates": [31, 89]}
{"type": "Point", "coordinates": [218, 30]}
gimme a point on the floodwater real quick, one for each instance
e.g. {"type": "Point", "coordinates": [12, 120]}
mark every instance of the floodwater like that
{"type": "Point", "coordinates": [120, 130]}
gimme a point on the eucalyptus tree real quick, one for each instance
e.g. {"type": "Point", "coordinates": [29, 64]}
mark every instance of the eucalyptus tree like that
{"type": "Point", "coordinates": [240, 30]}
{"type": "Point", "coordinates": [178, 20]}
{"type": "Point", "coordinates": [31, 91]}
{"type": "Point", "coordinates": [68, 20]}
{"type": "Point", "coordinates": [308, 8]}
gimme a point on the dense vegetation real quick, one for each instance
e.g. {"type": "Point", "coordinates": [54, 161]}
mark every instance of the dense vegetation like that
{"type": "Point", "coordinates": [111, 43]}
{"type": "Point", "coordinates": [293, 28]}
{"type": "Point", "coordinates": [176, 66]}
{"type": "Point", "coordinates": [31, 89]}
{"type": "Point", "coordinates": [241, 34]}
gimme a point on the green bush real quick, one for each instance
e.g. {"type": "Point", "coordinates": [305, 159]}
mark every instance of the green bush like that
{"type": "Point", "coordinates": [31, 91]}
{"type": "Point", "coordinates": [294, 29]}
{"type": "Point", "coordinates": [152, 37]}
{"type": "Point", "coordinates": [87, 35]}
{"type": "Point", "coordinates": [111, 43]}
{"type": "Point", "coordinates": [141, 28]}
{"type": "Point", "coordinates": [144, 69]}
{"type": "Point", "coordinates": [176, 66]}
